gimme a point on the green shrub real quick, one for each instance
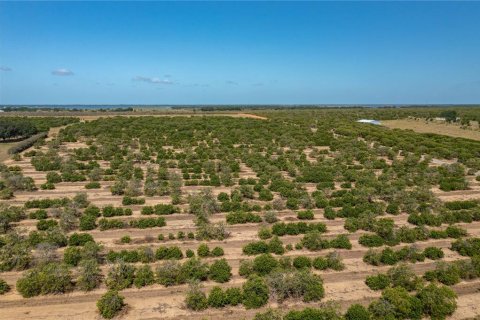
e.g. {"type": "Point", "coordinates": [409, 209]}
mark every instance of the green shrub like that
{"type": "Point", "coordinates": [255, 293]}
{"type": "Point", "coordinates": [144, 223]}
{"type": "Point", "coordinates": [403, 276]}
{"type": "Point", "coordinates": [378, 282]}
{"type": "Point", "coordinates": [313, 241]}
{"type": "Point", "coordinates": [90, 275]}
{"type": "Point", "coordinates": [203, 250]}
{"type": "Point", "coordinates": [323, 313]}
{"type": "Point", "coordinates": [120, 276]}
{"type": "Point", "coordinates": [329, 213]}
{"type": "Point", "coordinates": [400, 304]}
{"type": "Point", "coordinates": [50, 278]}
{"type": "Point", "coordinates": [459, 205]}
{"type": "Point", "coordinates": [302, 262]}
{"type": "Point", "coordinates": [264, 264]}
{"type": "Point", "coordinates": [241, 217]}
{"type": "Point", "coordinates": [455, 232]}
{"type": "Point", "coordinates": [233, 296]}
{"type": "Point", "coordinates": [256, 247]}
{"type": "Point", "coordinates": [93, 185]}
{"type": "Point", "coordinates": [144, 276]}
{"type": "Point", "coordinates": [270, 217]}
{"type": "Point", "coordinates": [284, 285]}
{"type": "Point", "coordinates": [72, 256]}
{"type": "Point", "coordinates": [371, 240]}
{"type": "Point", "coordinates": [446, 273]}
{"type": "Point", "coordinates": [264, 233]}
{"type": "Point", "coordinates": [320, 263]}
{"type": "Point", "coordinates": [106, 224]}
{"type": "Point", "coordinates": [438, 301]}
{"type": "Point", "coordinates": [305, 215]}
{"type": "Point", "coordinates": [270, 314]}
{"type": "Point", "coordinates": [468, 247]}
{"type": "Point", "coordinates": [110, 304]}
{"type": "Point", "coordinates": [4, 287]}
{"type": "Point", "coordinates": [295, 228]}
{"type": "Point", "coordinates": [189, 253]}
{"type": "Point", "coordinates": [46, 224]}
{"type": "Point", "coordinates": [79, 239]}
{"type": "Point", "coordinates": [340, 242]}
{"type": "Point", "coordinates": [217, 252]}
{"type": "Point", "coordinates": [38, 214]}
{"type": "Point", "coordinates": [126, 239]}
{"type": "Point", "coordinates": [217, 298]}
{"type": "Point", "coordinates": [127, 201]}
{"type": "Point", "coordinates": [88, 222]}
{"type": "Point", "coordinates": [196, 300]}
{"type": "Point", "coordinates": [220, 271]}
{"type": "Point", "coordinates": [357, 312]}
{"type": "Point", "coordinates": [167, 253]}
{"type": "Point", "coordinates": [433, 253]}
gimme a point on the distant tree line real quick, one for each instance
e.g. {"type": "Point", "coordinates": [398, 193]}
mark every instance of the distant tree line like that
{"type": "Point", "coordinates": [22, 127]}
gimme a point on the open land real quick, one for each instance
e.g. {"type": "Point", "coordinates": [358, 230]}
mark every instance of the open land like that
{"type": "Point", "coordinates": [307, 166]}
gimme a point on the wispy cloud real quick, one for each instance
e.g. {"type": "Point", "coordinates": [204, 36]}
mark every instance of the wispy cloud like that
{"type": "Point", "coordinates": [258, 84]}
{"type": "Point", "coordinates": [62, 72]}
{"type": "Point", "coordinates": [232, 83]}
{"type": "Point", "coordinates": [4, 68]}
{"type": "Point", "coordinates": [152, 80]}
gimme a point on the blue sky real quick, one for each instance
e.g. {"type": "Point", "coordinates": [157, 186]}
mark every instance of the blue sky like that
{"type": "Point", "coordinates": [239, 53]}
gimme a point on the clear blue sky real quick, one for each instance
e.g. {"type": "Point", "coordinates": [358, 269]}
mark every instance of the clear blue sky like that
{"type": "Point", "coordinates": [239, 53]}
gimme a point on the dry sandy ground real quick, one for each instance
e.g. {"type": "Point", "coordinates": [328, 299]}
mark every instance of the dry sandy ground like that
{"type": "Point", "coordinates": [423, 126]}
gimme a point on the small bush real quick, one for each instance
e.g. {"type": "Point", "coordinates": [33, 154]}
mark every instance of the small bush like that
{"type": "Point", "coordinates": [127, 201]}
{"type": "Point", "coordinates": [203, 250]}
{"type": "Point", "coordinates": [305, 215]}
{"type": "Point", "coordinates": [217, 252]}
{"type": "Point", "coordinates": [88, 222]}
{"type": "Point", "coordinates": [378, 282]}
{"type": "Point", "coordinates": [438, 301]}
{"type": "Point", "coordinates": [264, 233]}
{"type": "Point", "coordinates": [79, 239]}
{"type": "Point", "coordinates": [4, 287]}
{"type": "Point", "coordinates": [120, 276]}
{"type": "Point", "coordinates": [357, 312]}
{"type": "Point", "coordinates": [46, 279]}
{"type": "Point", "coordinates": [126, 239]}
{"type": "Point", "coordinates": [46, 224]}
{"type": "Point", "coordinates": [255, 293]}
{"type": "Point", "coordinates": [220, 271]}
{"type": "Point", "coordinates": [217, 298]}
{"type": "Point", "coordinates": [371, 240]}
{"type": "Point", "coordinates": [144, 276]}
{"type": "Point", "coordinates": [189, 253]}
{"type": "Point", "coordinates": [433, 253]}
{"type": "Point", "coordinates": [196, 300]}
{"type": "Point", "coordinates": [302, 262]}
{"type": "Point", "coordinates": [110, 304]}
{"type": "Point", "coordinates": [90, 275]}
{"type": "Point", "coordinates": [233, 296]}
{"type": "Point", "coordinates": [93, 185]}
{"type": "Point", "coordinates": [242, 217]}
{"type": "Point", "coordinates": [270, 217]}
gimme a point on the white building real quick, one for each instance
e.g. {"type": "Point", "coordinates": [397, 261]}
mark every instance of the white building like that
{"type": "Point", "coordinates": [370, 121]}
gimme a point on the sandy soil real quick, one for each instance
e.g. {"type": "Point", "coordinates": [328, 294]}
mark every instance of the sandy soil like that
{"type": "Point", "coordinates": [422, 126]}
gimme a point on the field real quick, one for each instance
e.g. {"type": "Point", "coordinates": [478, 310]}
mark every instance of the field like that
{"type": "Point", "coordinates": [289, 197]}
{"type": "Point", "coordinates": [422, 126]}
